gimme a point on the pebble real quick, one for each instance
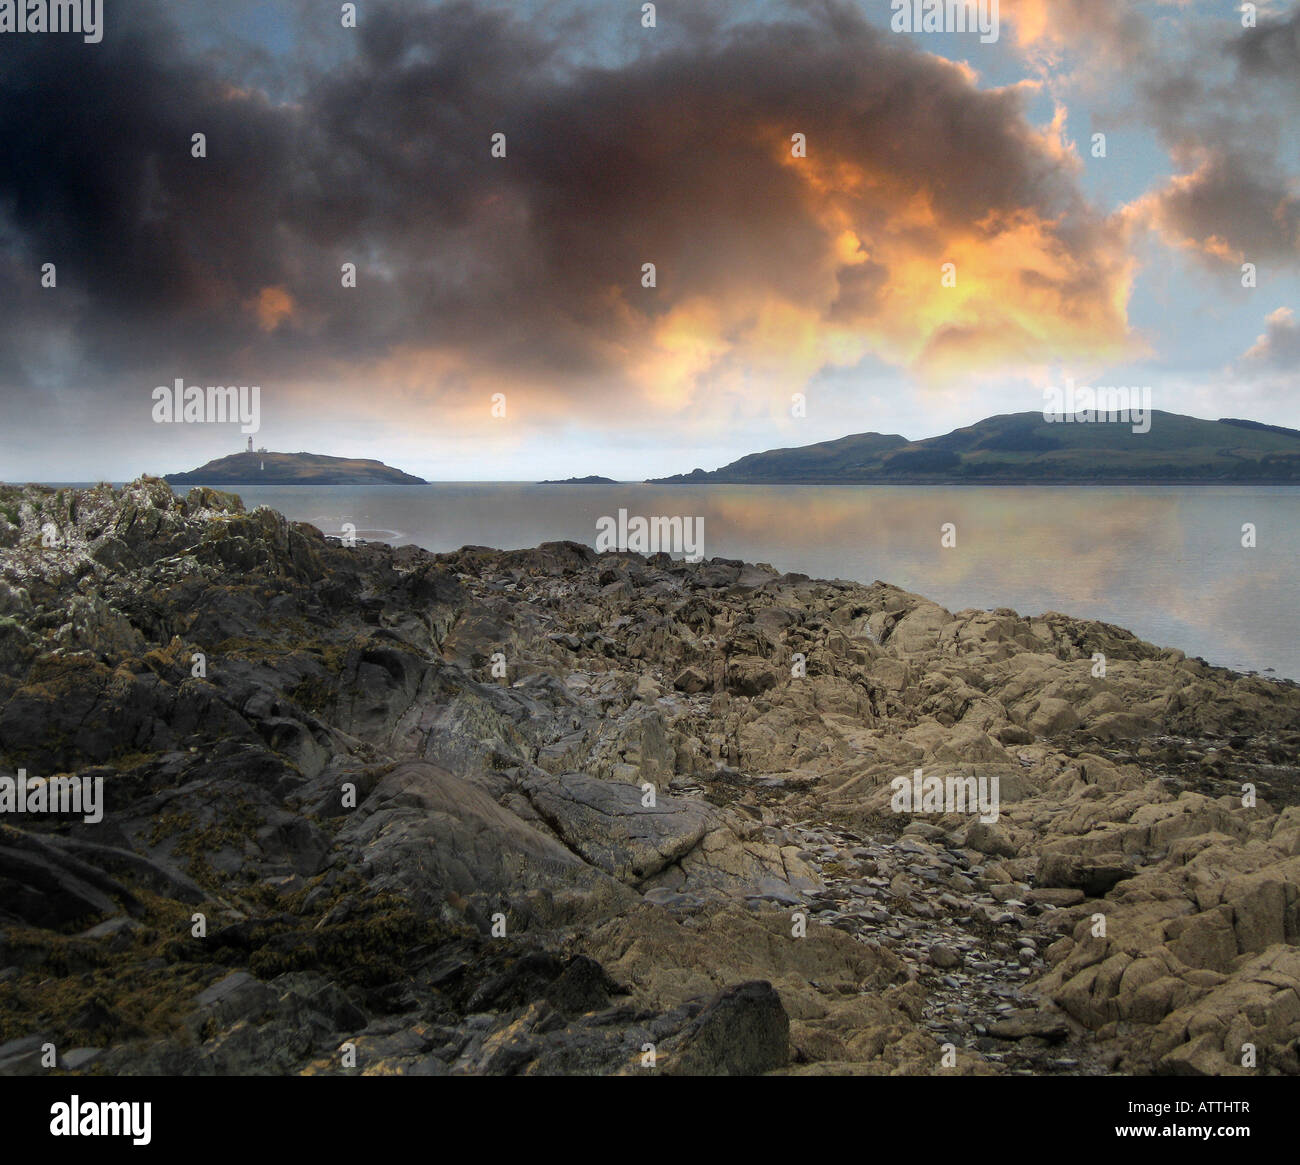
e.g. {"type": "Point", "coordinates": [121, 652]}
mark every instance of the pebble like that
{"type": "Point", "coordinates": [981, 979]}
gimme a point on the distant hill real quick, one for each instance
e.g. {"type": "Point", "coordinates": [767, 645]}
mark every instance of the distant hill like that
{"type": "Point", "coordinates": [293, 469]}
{"type": "Point", "coordinates": [1022, 448]}
{"type": "Point", "coordinates": [592, 480]}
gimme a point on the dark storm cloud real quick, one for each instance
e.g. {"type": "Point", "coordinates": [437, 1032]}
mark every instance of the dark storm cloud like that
{"type": "Point", "coordinates": [229, 266]}
{"type": "Point", "coordinates": [1272, 49]}
{"type": "Point", "coordinates": [154, 249]}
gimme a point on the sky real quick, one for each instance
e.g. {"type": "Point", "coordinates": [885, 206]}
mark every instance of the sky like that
{"type": "Point", "coordinates": [946, 239]}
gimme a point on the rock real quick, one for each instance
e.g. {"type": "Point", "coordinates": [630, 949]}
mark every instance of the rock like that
{"type": "Point", "coordinates": [25, 1056]}
{"type": "Point", "coordinates": [990, 838]}
{"type": "Point", "coordinates": [41, 884]}
{"type": "Point", "coordinates": [1026, 1025]}
{"type": "Point", "coordinates": [239, 996]}
{"type": "Point", "coordinates": [156, 875]}
{"type": "Point", "coordinates": [430, 835]}
{"type": "Point", "coordinates": [749, 676]}
{"type": "Point", "coordinates": [1057, 897]}
{"type": "Point", "coordinates": [1052, 718]}
{"type": "Point", "coordinates": [691, 680]}
{"type": "Point", "coordinates": [610, 826]}
{"type": "Point", "coordinates": [582, 986]}
{"type": "Point", "coordinates": [743, 1031]}
{"type": "Point", "coordinates": [78, 1059]}
{"type": "Point", "coordinates": [945, 957]}
{"type": "Point", "coordinates": [395, 846]}
{"type": "Point", "coordinates": [1096, 878]}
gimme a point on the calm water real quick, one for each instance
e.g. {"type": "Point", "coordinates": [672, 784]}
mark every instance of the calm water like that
{"type": "Point", "coordinates": [1165, 562]}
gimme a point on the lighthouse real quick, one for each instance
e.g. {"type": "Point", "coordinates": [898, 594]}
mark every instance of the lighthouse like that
{"type": "Point", "coordinates": [250, 444]}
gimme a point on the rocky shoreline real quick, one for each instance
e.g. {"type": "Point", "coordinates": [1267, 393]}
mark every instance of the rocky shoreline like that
{"type": "Point", "coordinates": [375, 810]}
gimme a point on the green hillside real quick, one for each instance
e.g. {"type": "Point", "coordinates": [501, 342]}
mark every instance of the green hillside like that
{"type": "Point", "coordinates": [1023, 447]}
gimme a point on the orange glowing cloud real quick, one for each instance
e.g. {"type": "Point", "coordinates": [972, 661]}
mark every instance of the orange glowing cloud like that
{"type": "Point", "coordinates": [928, 226]}
{"type": "Point", "coordinates": [271, 306]}
{"type": "Point", "coordinates": [1025, 291]}
{"type": "Point", "coordinates": [942, 296]}
{"type": "Point", "coordinates": [1050, 26]}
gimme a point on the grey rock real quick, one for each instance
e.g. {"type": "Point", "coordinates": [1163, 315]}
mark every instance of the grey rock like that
{"type": "Point", "coordinates": [743, 1031]}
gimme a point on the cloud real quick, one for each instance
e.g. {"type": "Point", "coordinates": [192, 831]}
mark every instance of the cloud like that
{"type": "Point", "coordinates": [1232, 205]}
{"type": "Point", "coordinates": [1210, 95]}
{"type": "Point", "coordinates": [1110, 29]}
{"type": "Point", "coordinates": [1279, 346]}
{"type": "Point", "coordinates": [1271, 49]}
{"type": "Point", "coordinates": [477, 272]}
{"type": "Point", "coordinates": [1205, 85]}
{"type": "Point", "coordinates": [272, 306]}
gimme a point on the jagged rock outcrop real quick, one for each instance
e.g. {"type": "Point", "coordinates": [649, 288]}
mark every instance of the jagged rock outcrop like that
{"type": "Point", "coordinates": [383, 811]}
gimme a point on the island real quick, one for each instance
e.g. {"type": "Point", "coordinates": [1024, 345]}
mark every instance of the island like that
{"type": "Point", "coordinates": [592, 480]}
{"type": "Point", "coordinates": [266, 468]}
{"type": "Point", "coordinates": [1025, 448]}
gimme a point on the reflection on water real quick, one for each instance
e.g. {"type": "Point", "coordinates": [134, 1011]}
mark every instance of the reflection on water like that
{"type": "Point", "coordinates": [1165, 562]}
